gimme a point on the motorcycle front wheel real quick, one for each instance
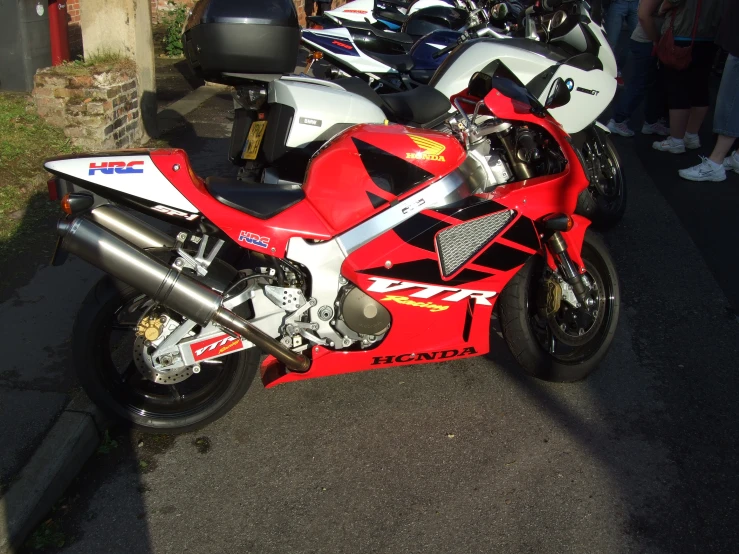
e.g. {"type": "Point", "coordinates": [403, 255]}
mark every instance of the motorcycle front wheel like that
{"type": "Point", "coordinates": [566, 345]}
{"type": "Point", "coordinates": [108, 361]}
{"type": "Point", "coordinates": [604, 201]}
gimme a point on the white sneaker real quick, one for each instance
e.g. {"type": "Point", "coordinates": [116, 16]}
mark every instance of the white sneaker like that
{"type": "Point", "coordinates": [657, 128]}
{"type": "Point", "coordinates": [620, 128]}
{"type": "Point", "coordinates": [692, 141]}
{"type": "Point", "coordinates": [732, 163]}
{"type": "Point", "coordinates": [704, 171]}
{"type": "Point", "coordinates": [671, 145]}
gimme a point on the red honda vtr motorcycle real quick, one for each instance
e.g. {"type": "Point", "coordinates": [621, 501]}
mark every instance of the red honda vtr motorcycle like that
{"type": "Point", "coordinates": [395, 251]}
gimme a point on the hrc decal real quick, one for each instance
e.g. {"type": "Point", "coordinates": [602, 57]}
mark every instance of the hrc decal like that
{"type": "Point", "coordinates": [408, 302]}
{"type": "Point", "coordinates": [120, 167]}
{"type": "Point", "coordinates": [432, 150]}
{"type": "Point", "coordinates": [423, 356]}
{"type": "Point", "coordinates": [427, 291]}
{"type": "Point", "coordinates": [215, 346]}
{"type": "Point", "coordinates": [253, 238]}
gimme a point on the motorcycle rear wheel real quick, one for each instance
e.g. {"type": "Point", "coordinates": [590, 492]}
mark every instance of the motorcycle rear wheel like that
{"type": "Point", "coordinates": [103, 352]}
{"type": "Point", "coordinates": [547, 352]}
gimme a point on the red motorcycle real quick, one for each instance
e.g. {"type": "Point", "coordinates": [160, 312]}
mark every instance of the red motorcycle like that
{"type": "Point", "coordinates": [396, 250]}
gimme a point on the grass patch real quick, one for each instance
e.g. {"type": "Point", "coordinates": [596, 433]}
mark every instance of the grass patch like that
{"type": "Point", "coordinates": [99, 61]}
{"type": "Point", "coordinates": [25, 142]}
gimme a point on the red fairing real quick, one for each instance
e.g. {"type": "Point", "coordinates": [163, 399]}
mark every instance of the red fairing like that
{"type": "Point", "coordinates": [300, 220]}
{"type": "Point", "coordinates": [363, 169]}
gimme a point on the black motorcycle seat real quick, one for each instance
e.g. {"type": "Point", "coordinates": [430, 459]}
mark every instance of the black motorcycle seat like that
{"type": "Point", "coordinates": [423, 106]}
{"type": "Point", "coordinates": [402, 63]}
{"type": "Point", "coordinates": [255, 199]}
{"type": "Point", "coordinates": [400, 38]}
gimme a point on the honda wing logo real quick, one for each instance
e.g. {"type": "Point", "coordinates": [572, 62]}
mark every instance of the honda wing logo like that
{"type": "Point", "coordinates": [119, 167]}
{"type": "Point", "coordinates": [431, 150]}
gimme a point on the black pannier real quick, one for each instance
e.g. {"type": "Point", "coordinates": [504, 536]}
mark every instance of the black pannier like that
{"type": "Point", "coordinates": [242, 36]}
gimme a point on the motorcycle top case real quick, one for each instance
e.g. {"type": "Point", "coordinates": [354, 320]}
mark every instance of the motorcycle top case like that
{"type": "Point", "coordinates": [242, 36]}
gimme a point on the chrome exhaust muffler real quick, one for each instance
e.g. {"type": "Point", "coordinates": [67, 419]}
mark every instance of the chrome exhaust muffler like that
{"type": "Point", "coordinates": [182, 293]}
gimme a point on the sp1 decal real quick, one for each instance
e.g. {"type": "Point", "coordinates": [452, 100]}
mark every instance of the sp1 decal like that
{"type": "Point", "coordinates": [175, 213]}
{"type": "Point", "coordinates": [215, 346]}
{"type": "Point", "coordinates": [432, 150]}
{"type": "Point", "coordinates": [428, 291]}
{"type": "Point", "coordinates": [119, 167]}
{"type": "Point", "coordinates": [253, 238]}
{"type": "Point", "coordinates": [408, 302]}
{"type": "Point", "coordinates": [423, 356]}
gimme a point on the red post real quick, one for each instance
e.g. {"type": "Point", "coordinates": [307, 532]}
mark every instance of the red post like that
{"type": "Point", "coordinates": [59, 32]}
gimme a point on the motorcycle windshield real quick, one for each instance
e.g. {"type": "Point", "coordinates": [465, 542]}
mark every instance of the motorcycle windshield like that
{"type": "Point", "coordinates": [497, 76]}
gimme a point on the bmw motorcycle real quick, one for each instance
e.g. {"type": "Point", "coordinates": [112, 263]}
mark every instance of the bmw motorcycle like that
{"type": "Point", "coordinates": [397, 249]}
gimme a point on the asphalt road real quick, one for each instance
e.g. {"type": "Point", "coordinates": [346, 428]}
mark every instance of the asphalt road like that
{"type": "Point", "coordinates": [469, 456]}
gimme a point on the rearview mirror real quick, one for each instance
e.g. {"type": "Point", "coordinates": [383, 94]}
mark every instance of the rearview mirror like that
{"type": "Point", "coordinates": [559, 95]}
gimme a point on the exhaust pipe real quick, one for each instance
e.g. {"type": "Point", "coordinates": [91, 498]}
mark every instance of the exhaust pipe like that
{"type": "Point", "coordinates": [166, 285]}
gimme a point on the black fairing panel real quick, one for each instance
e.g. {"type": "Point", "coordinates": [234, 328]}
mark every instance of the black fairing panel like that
{"type": "Point", "coordinates": [424, 21]}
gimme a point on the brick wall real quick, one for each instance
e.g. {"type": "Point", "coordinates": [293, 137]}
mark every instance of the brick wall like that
{"type": "Point", "coordinates": [97, 111]}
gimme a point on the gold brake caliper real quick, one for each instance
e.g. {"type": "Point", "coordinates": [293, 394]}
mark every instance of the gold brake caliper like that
{"type": "Point", "coordinates": [549, 298]}
{"type": "Point", "coordinates": [150, 328]}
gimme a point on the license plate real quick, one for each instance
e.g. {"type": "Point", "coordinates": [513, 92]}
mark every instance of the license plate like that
{"type": "Point", "coordinates": [256, 134]}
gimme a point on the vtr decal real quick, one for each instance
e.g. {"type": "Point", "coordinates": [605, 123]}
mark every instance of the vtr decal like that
{"type": "Point", "coordinates": [428, 291]}
{"type": "Point", "coordinates": [215, 346]}
{"type": "Point", "coordinates": [109, 168]}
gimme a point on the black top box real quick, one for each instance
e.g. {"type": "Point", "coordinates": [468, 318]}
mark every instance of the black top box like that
{"type": "Point", "coordinates": [242, 36]}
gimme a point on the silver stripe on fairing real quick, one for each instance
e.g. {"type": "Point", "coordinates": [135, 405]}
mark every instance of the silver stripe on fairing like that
{"type": "Point", "coordinates": [446, 190]}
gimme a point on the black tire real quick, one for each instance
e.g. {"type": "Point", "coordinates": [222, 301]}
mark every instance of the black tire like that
{"type": "Point", "coordinates": [604, 202]}
{"type": "Point", "coordinates": [126, 395]}
{"type": "Point", "coordinates": [526, 334]}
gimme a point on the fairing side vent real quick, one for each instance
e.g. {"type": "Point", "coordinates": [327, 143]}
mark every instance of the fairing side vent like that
{"type": "Point", "coordinates": [458, 244]}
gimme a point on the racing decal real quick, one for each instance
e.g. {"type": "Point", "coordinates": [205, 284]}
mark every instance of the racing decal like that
{"type": "Point", "coordinates": [253, 238]}
{"type": "Point", "coordinates": [408, 302]}
{"type": "Point", "coordinates": [175, 213]}
{"type": "Point", "coordinates": [423, 356]}
{"type": "Point", "coordinates": [215, 346]}
{"type": "Point", "coordinates": [389, 172]}
{"type": "Point", "coordinates": [430, 149]}
{"type": "Point", "coordinates": [342, 45]}
{"type": "Point", "coordinates": [428, 291]}
{"type": "Point", "coordinates": [119, 167]}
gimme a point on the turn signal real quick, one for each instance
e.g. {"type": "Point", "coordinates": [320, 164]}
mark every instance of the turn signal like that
{"type": "Point", "coordinates": [317, 55]}
{"type": "Point", "coordinates": [556, 222]}
{"type": "Point", "coordinates": [76, 202]}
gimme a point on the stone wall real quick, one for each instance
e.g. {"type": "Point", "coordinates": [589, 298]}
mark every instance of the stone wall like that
{"type": "Point", "coordinates": [97, 110]}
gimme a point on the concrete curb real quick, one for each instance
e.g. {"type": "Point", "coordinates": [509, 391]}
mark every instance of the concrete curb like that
{"type": "Point", "coordinates": [66, 447]}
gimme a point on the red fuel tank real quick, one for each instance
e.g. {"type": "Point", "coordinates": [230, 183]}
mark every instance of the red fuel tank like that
{"type": "Point", "coordinates": [362, 170]}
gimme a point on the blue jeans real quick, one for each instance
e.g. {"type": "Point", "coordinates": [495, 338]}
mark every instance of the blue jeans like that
{"type": "Point", "coordinates": [618, 12]}
{"type": "Point", "coordinates": [644, 78]}
{"type": "Point", "coordinates": [726, 116]}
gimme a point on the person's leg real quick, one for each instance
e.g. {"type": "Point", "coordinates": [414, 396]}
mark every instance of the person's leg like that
{"type": "Point", "coordinates": [642, 64]}
{"type": "Point", "coordinates": [614, 20]}
{"type": "Point", "coordinates": [678, 101]}
{"type": "Point", "coordinates": [726, 116]}
{"type": "Point", "coordinates": [700, 97]}
{"type": "Point", "coordinates": [722, 148]}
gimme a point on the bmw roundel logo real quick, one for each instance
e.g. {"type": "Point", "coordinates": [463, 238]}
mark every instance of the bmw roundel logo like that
{"type": "Point", "coordinates": [570, 84]}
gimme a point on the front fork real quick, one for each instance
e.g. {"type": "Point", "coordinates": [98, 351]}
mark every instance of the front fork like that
{"type": "Point", "coordinates": [558, 249]}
